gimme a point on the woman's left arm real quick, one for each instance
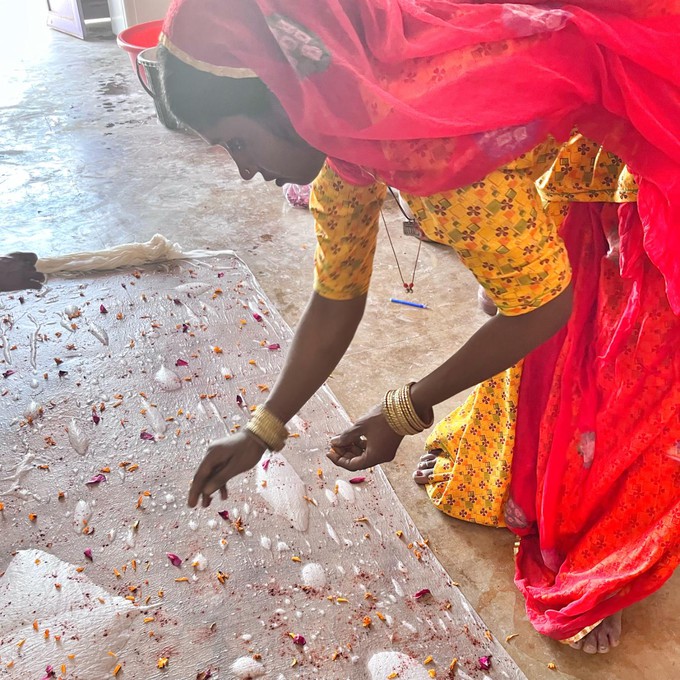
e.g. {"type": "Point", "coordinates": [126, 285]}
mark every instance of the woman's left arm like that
{"type": "Point", "coordinates": [498, 344]}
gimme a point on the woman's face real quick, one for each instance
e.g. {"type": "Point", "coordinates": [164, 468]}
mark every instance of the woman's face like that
{"type": "Point", "coordinates": [256, 148]}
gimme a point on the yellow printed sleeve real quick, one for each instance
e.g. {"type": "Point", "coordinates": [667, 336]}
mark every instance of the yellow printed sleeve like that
{"type": "Point", "coordinates": [346, 224]}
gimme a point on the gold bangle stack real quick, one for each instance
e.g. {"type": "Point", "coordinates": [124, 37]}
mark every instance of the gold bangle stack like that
{"type": "Point", "coordinates": [400, 413]}
{"type": "Point", "coordinates": [268, 429]}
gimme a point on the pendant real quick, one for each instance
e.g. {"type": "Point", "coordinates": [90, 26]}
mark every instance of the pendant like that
{"type": "Point", "coordinates": [411, 228]}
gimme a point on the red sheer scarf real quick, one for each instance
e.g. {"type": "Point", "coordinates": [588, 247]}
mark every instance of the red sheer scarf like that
{"type": "Point", "coordinates": [434, 94]}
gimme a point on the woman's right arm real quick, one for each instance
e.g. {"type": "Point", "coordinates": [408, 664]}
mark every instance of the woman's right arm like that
{"type": "Point", "coordinates": [346, 227]}
{"type": "Point", "coordinates": [322, 338]}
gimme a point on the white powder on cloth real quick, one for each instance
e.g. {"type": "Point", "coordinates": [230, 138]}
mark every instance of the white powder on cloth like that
{"type": "Point", "coordinates": [284, 491]}
{"type": "Point", "coordinates": [80, 611]}
{"type": "Point", "coordinates": [383, 664]}
{"type": "Point", "coordinates": [245, 668]}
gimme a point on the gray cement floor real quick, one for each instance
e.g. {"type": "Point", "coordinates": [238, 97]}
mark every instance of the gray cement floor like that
{"type": "Point", "coordinates": [85, 165]}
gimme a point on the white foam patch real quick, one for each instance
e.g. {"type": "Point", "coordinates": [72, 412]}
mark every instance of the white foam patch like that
{"type": "Point", "coordinates": [79, 440]}
{"type": "Point", "coordinates": [331, 532]}
{"type": "Point", "coordinates": [168, 380]}
{"type": "Point", "coordinates": [75, 607]}
{"type": "Point", "coordinates": [81, 516]}
{"type": "Point", "coordinates": [284, 491]}
{"type": "Point", "coordinates": [345, 490]}
{"type": "Point", "coordinates": [313, 575]}
{"type": "Point", "coordinates": [244, 668]}
{"type": "Point", "coordinates": [384, 664]}
{"type": "Point", "coordinates": [199, 562]}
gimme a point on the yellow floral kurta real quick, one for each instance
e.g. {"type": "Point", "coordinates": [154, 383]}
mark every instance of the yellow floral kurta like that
{"type": "Point", "coordinates": [500, 231]}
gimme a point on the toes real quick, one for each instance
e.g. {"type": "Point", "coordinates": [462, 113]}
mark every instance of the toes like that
{"type": "Point", "coordinates": [576, 645]}
{"type": "Point", "coordinates": [590, 644]}
{"type": "Point", "coordinates": [420, 477]}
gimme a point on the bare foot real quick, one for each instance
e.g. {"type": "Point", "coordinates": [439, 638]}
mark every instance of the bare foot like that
{"type": "Point", "coordinates": [606, 636]}
{"type": "Point", "coordinates": [425, 468]}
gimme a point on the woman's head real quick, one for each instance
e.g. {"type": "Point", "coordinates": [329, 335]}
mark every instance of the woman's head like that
{"type": "Point", "coordinates": [241, 115]}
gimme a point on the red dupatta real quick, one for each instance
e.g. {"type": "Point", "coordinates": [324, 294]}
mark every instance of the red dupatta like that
{"type": "Point", "coordinates": [429, 95]}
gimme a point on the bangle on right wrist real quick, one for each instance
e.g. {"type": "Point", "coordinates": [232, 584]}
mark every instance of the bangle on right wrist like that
{"type": "Point", "coordinates": [268, 429]}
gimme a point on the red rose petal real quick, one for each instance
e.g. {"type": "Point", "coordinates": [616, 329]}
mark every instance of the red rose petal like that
{"type": "Point", "coordinates": [181, 362]}
{"type": "Point", "coordinates": [239, 400]}
{"type": "Point", "coordinates": [224, 514]}
{"type": "Point", "coordinates": [88, 553]}
{"type": "Point", "coordinates": [6, 374]}
{"type": "Point", "coordinates": [175, 559]}
{"type": "Point", "coordinates": [265, 464]}
{"type": "Point", "coordinates": [299, 640]}
{"type": "Point", "coordinates": [95, 417]}
{"type": "Point", "coordinates": [147, 436]}
{"type": "Point", "coordinates": [357, 480]}
{"type": "Point", "coordinates": [422, 593]}
{"type": "Point", "coordinates": [273, 346]}
{"type": "Point", "coordinates": [103, 310]}
{"type": "Point", "coordinates": [97, 479]}
{"type": "Point", "coordinates": [256, 316]}
{"type": "Point", "coordinates": [484, 662]}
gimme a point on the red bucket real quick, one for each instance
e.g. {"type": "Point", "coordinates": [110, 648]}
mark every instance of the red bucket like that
{"type": "Point", "coordinates": [139, 37]}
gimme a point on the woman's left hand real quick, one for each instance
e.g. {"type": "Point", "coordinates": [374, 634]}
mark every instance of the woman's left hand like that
{"type": "Point", "coordinates": [370, 441]}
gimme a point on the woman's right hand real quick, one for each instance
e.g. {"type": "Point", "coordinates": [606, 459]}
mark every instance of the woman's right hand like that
{"type": "Point", "coordinates": [225, 459]}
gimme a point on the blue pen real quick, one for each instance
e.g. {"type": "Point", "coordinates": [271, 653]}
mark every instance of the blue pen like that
{"type": "Point", "coordinates": [408, 303]}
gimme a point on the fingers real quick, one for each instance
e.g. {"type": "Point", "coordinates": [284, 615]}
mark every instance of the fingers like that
{"type": "Point", "coordinates": [352, 459]}
{"type": "Point", "coordinates": [28, 258]}
{"type": "Point", "coordinates": [208, 467]}
{"type": "Point", "coordinates": [348, 437]}
{"type": "Point", "coordinates": [219, 479]}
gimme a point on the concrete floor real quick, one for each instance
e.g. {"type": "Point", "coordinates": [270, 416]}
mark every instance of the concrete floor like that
{"type": "Point", "coordinates": [84, 165]}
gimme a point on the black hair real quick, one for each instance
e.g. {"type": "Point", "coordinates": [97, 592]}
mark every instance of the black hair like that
{"type": "Point", "coordinates": [200, 99]}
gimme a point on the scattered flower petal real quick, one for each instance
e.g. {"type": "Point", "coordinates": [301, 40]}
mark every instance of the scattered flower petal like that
{"type": "Point", "coordinates": [6, 374]}
{"type": "Point", "coordinates": [95, 417]}
{"type": "Point", "coordinates": [256, 316]}
{"type": "Point", "coordinates": [224, 514]}
{"type": "Point", "coordinates": [103, 310]}
{"type": "Point", "coordinates": [239, 400]}
{"type": "Point", "coordinates": [97, 479]}
{"type": "Point", "coordinates": [220, 275]}
{"type": "Point", "coordinates": [265, 464]}
{"type": "Point", "coordinates": [88, 553]}
{"type": "Point", "coordinates": [273, 346]}
{"type": "Point", "coordinates": [175, 559]}
{"type": "Point", "coordinates": [298, 640]}
{"type": "Point", "coordinates": [49, 673]}
{"type": "Point", "coordinates": [357, 480]}
{"type": "Point", "coordinates": [147, 436]}
{"type": "Point", "coordinates": [422, 593]}
{"type": "Point", "coordinates": [181, 362]}
{"type": "Point", "coordinates": [484, 662]}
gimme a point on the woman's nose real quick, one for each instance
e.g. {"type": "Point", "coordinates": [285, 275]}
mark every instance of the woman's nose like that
{"type": "Point", "coordinates": [245, 172]}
